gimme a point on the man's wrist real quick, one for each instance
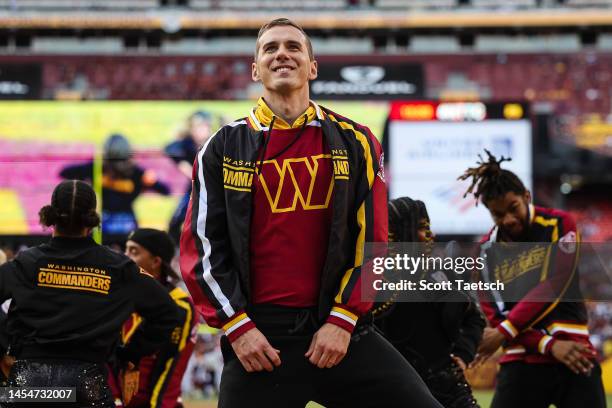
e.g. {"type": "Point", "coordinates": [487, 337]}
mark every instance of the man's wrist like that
{"type": "Point", "coordinates": [342, 317]}
{"type": "Point", "coordinates": [545, 345]}
{"type": "Point", "coordinates": [507, 329]}
{"type": "Point", "coordinates": [236, 326]}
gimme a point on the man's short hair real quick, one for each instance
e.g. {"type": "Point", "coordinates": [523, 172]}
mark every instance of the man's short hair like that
{"type": "Point", "coordinates": [279, 22]}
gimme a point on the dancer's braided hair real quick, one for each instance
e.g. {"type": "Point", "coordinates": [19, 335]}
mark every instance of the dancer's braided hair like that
{"type": "Point", "coordinates": [490, 181]}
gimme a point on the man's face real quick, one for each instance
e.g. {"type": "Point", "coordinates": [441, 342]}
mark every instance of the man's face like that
{"type": "Point", "coordinates": [511, 213]}
{"type": "Point", "coordinates": [424, 232]}
{"type": "Point", "coordinates": [200, 131]}
{"type": "Point", "coordinates": [142, 257]}
{"type": "Point", "coordinates": [283, 64]}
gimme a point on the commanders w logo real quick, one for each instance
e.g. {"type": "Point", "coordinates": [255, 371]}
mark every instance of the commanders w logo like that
{"type": "Point", "coordinates": [283, 191]}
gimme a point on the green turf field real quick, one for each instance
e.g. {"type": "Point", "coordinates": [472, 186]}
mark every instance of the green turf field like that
{"type": "Point", "coordinates": [483, 397]}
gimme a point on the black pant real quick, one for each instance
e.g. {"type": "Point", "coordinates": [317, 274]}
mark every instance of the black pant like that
{"type": "Point", "coordinates": [441, 374]}
{"type": "Point", "coordinates": [372, 374]}
{"type": "Point", "coordinates": [89, 380]}
{"type": "Point", "coordinates": [450, 387]}
{"type": "Point", "coordinates": [539, 385]}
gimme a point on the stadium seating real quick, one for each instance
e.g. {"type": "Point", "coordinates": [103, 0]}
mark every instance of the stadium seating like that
{"type": "Point", "coordinates": [79, 4]}
{"type": "Point", "coordinates": [594, 217]}
{"type": "Point", "coordinates": [573, 83]}
{"type": "Point", "coordinates": [416, 4]}
{"type": "Point", "coordinates": [589, 3]}
{"type": "Point", "coordinates": [307, 5]}
{"type": "Point", "coordinates": [509, 4]}
{"type": "Point", "coordinates": [269, 4]}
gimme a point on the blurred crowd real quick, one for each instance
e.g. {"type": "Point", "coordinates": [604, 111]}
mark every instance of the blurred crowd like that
{"type": "Point", "coordinates": [203, 374]}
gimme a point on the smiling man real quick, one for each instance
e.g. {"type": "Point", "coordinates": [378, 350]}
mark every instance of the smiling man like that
{"type": "Point", "coordinates": [283, 203]}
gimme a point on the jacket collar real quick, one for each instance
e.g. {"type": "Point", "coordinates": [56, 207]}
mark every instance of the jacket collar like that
{"type": "Point", "coordinates": [261, 116]}
{"type": "Point", "coordinates": [531, 213]}
{"type": "Point", "coordinates": [71, 242]}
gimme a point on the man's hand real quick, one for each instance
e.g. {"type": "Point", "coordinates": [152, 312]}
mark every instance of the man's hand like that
{"type": "Point", "coordinates": [576, 356]}
{"type": "Point", "coordinates": [129, 379]}
{"type": "Point", "coordinates": [459, 361]}
{"type": "Point", "coordinates": [329, 346]}
{"type": "Point", "coordinates": [255, 353]}
{"type": "Point", "coordinates": [5, 364]}
{"type": "Point", "coordinates": [492, 339]}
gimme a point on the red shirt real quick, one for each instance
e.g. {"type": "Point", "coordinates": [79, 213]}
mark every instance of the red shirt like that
{"type": "Point", "coordinates": [292, 212]}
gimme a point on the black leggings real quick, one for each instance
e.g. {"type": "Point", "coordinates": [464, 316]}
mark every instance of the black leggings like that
{"type": "Point", "coordinates": [372, 374]}
{"type": "Point", "coordinates": [89, 380]}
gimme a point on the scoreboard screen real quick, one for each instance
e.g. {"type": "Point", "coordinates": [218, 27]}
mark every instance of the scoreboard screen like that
{"type": "Point", "coordinates": [38, 139]}
{"type": "Point", "coordinates": [430, 144]}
